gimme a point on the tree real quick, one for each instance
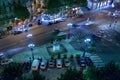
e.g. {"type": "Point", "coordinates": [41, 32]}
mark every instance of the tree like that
{"type": "Point", "coordinates": [81, 3]}
{"type": "Point", "coordinates": [53, 6]}
{"type": "Point", "coordinates": [91, 73]}
{"type": "Point", "coordinates": [72, 74]}
{"type": "Point", "coordinates": [70, 3]}
{"type": "Point", "coordinates": [11, 71]}
{"type": "Point", "coordinates": [37, 77]}
{"type": "Point", "coordinates": [110, 71]}
{"type": "Point", "coordinates": [21, 12]}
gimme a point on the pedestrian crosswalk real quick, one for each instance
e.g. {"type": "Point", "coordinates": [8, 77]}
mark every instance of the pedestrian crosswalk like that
{"type": "Point", "coordinates": [97, 61]}
{"type": "Point", "coordinates": [77, 36]}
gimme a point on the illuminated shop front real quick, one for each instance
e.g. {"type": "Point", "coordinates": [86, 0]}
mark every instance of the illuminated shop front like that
{"type": "Point", "coordinates": [97, 4]}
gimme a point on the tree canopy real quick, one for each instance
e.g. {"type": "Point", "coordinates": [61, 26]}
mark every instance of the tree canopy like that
{"type": "Point", "coordinates": [11, 71]}
{"type": "Point", "coordinates": [53, 6]}
{"type": "Point", "coordinates": [21, 12]}
{"type": "Point", "coordinates": [110, 71]}
{"type": "Point", "coordinates": [72, 74]}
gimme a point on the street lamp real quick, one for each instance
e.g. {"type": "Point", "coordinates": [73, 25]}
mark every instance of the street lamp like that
{"type": "Point", "coordinates": [29, 35]}
{"type": "Point", "coordinates": [69, 25]}
{"type": "Point", "coordinates": [86, 41]}
{"type": "Point", "coordinates": [31, 46]}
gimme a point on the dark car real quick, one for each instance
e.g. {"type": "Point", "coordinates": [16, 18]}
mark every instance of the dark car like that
{"type": "Point", "coordinates": [51, 63]}
{"type": "Point", "coordinates": [82, 62]}
{"type": "Point", "coordinates": [27, 66]}
{"type": "Point", "coordinates": [88, 61]}
{"type": "Point", "coordinates": [17, 32]}
{"type": "Point", "coordinates": [66, 63]}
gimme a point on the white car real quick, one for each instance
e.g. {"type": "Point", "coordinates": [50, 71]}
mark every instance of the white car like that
{"type": "Point", "coordinates": [43, 65]}
{"type": "Point", "coordinates": [6, 61]}
{"type": "Point", "coordinates": [2, 56]}
{"type": "Point", "coordinates": [59, 63]}
{"type": "Point", "coordinates": [51, 21]}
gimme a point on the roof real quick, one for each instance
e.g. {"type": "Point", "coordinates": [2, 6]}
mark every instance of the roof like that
{"type": "Point", "coordinates": [35, 62]}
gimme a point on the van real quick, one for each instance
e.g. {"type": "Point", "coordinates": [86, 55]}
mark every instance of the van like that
{"type": "Point", "coordinates": [35, 65]}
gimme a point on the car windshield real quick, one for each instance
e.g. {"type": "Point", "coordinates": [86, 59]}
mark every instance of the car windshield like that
{"type": "Point", "coordinates": [42, 65]}
{"type": "Point", "coordinates": [67, 61]}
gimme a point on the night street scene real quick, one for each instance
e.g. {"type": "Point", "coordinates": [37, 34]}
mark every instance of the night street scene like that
{"type": "Point", "coordinates": [59, 39]}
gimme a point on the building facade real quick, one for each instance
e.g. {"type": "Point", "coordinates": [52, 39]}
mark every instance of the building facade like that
{"type": "Point", "coordinates": [98, 4]}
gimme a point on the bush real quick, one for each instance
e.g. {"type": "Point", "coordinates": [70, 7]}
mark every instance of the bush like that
{"type": "Point", "coordinates": [92, 49]}
{"type": "Point", "coordinates": [71, 56]}
{"type": "Point", "coordinates": [52, 56]}
{"type": "Point", "coordinates": [77, 55]}
{"type": "Point", "coordinates": [59, 55]}
{"type": "Point", "coordinates": [65, 56]}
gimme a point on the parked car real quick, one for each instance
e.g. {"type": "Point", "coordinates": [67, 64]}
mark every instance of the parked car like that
{"type": "Point", "coordinates": [59, 63]}
{"type": "Point", "coordinates": [82, 62]}
{"type": "Point", "coordinates": [2, 56]}
{"type": "Point", "coordinates": [43, 65]}
{"type": "Point", "coordinates": [6, 61]}
{"type": "Point", "coordinates": [66, 63]}
{"type": "Point", "coordinates": [35, 65]}
{"type": "Point", "coordinates": [27, 66]}
{"type": "Point", "coordinates": [17, 32]}
{"type": "Point", "coordinates": [51, 63]}
{"type": "Point", "coordinates": [88, 61]}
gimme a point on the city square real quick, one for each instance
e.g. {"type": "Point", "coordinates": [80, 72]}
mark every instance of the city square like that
{"type": "Point", "coordinates": [52, 41]}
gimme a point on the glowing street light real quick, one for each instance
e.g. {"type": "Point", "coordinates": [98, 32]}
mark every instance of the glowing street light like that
{"type": "Point", "coordinates": [31, 46]}
{"type": "Point", "coordinates": [29, 35]}
{"type": "Point", "coordinates": [87, 41]}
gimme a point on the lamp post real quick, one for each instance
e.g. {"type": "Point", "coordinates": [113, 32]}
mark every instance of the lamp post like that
{"type": "Point", "coordinates": [86, 41]}
{"type": "Point", "coordinates": [29, 36]}
{"type": "Point", "coordinates": [69, 25]}
{"type": "Point", "coordinates": [31, 46]}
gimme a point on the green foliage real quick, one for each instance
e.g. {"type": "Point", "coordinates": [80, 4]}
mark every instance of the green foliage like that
{"type": "Point", "coordinates": [52, 55]}
{"type": "Point", "coordinates": [91, 73]}
{"type": "Point", "coordinates": [21, 12]}
{"type": "Point", "coordinates": [53, 6]}
{"type": "Point", "coordinates": [11, 71]}
{"type": "Point", "coordinates": [92, 48]}
{"type": "Point", "coordinates": [110, 71]}
{"type": "Point", "coordinates": [81, 3]}
{"type": "Point", "coordinates": [77, 55]}
{"type": "Point", "coordinates": [69, 2]}
{"type": "Point", "coordinates": [71, 56]}
{"type": "Point", "coordinates": [65, 56]}
{"type": "Point", "coordinates": [72, 74]}
{"type": "Point", "coordinates": [38, 77]}
{"type": "Point", "coordinates": [59, 55]}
